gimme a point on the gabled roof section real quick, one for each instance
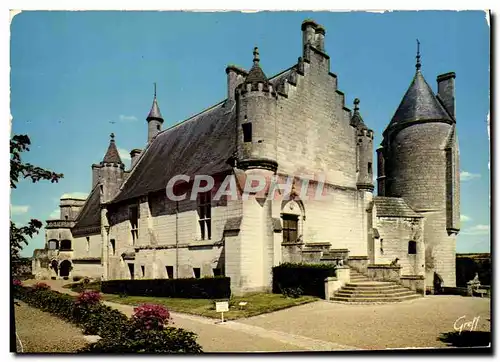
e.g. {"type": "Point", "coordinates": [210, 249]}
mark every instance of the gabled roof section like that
{"type": "Point", "coordinates": [419, 103]}
{"type": "Point", "coordinates": [393, 207]}
{"type": "Point", "coordinates": [200, 145]}
{"type": "Point", "coordinates": [112, 155]}
{"type": "Point", "coordinates": [89, 218]}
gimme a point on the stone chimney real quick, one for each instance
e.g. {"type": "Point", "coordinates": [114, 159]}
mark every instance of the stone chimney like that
{"type": "Point", "coordinates": [134, 156]}
{"type": "Point", "coordinates": [446, 91]}
{"type": "Point", "coordinates": [95, 174]}
{"type": "Point", "coordinates": [235, 76]}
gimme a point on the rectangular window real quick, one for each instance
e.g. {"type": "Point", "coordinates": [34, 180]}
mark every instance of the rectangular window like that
{"type": "Point", "coordinates": [412, 247]}
{"type": "Point", "coordinates": [217, 272]}
{"type": "Point", "coordinates": [134, 223]}
{"type": "Point", "coordinates": [88, 243]}
{"type": "Point", "coordinates": [113, 246]}
{"type": "Point", "coordinates": [170, 272]}
{"type": "Point", "coordinates": [205, 215]}
{"type": "Point", "coordinates": [197, 272]}
{"type": "Point", "coordinates": [247, 132]}
{"type": "Point", "coordinates": [290, 226]}
{"type": "Point", "coordinates": [370, 168]}
{"type": "Point", "coordinates": [143, 271]}
{"type": "Point", "coordinates": [131, 270]}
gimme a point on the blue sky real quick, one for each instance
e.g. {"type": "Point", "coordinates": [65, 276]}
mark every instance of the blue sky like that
{"type": "Point", "coordinates": [78, 76]}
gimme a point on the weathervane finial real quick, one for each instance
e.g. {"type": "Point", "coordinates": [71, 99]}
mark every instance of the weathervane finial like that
{"type": "Point", "coordinates": [112, 135]}
{"type": "Point", "coordinates": [418, 65]}
{"type": "Point", "coordinates": [256, 57]}
{"type": "Point", "coordinates": [155, 88]}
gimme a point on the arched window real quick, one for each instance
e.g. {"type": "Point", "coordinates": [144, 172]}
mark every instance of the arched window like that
{"type": "Point", "coordinates": [65, 245]}
{"type": "Point", "coordinates": [412, 247]}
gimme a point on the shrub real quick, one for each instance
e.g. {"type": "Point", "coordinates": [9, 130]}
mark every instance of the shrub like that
{"type": "Point", "coordinates": [168, 340]}
{"type": "Point", "coordinates": [205, 288]}
{"type": "Point", "coordinates": [41, 286]}
{"type": "Point", "coordinates": [88, 297]}
{"type": "Point", "coordinates": [309, 278]}
{"type": "Point", "coordinates": [151, 316]}
{"type": "Point", "coordinates": [17, 282]}
{"type": "Point", "coordinates": [292, 292]}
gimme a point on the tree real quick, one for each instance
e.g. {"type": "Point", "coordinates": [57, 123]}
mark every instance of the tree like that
{"type": "Point", "coordinates": [18, 170]}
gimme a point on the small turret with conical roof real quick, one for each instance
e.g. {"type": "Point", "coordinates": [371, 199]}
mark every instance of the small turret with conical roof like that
{"type": "Point", "coordinates": [110, 172]}
{"type": "Point", "coordinates": [364, 150]}
{"type": "Point", "coordinates": [154, 118]}
{"type": "Point", "coordinates": [256, 118]}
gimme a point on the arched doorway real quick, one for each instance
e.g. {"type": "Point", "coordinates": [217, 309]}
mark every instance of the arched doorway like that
{"type": "Point", "coordinates": [64, 268]}
{"type": "Point", "coordinates": [293, 216]}
{"type": "Point", "coordinates": [55, 266]}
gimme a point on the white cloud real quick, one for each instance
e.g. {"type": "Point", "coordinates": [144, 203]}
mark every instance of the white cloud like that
{"type": "Point", "coordinates": [56, 214]}
{"type": "Point", "coordinates": [465, 218]}
{"type": "Point", "coordinates": [466, 176]}
{"type": "Point", "coordinates": [124, 118]}
{"type": "Point", "coordinates": [75, 195]}
{"type": "Point", "coordinates": [479, 229]}
{"type": "Point", "coordinates": [19, 209]}
{"type": "Point", "coordinates": [124, 154]}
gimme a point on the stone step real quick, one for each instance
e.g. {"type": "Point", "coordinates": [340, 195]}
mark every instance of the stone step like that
{"type": "Point", "coordinates": [370, 284]}
{"type": "Point", "coordinates": [369, 294]}
{"type": "Point", "coordinates": [375, 300]}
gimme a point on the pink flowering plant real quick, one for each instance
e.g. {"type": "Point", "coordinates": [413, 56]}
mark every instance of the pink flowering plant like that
{"type": "Point", "coordinates": [41, 286]}
{"type": "Point", "coordinates": [88, 297]}
{"type": "Point", "coordinates": [17, 283]}
{"type": "Point", "coordinates": [151, 316]}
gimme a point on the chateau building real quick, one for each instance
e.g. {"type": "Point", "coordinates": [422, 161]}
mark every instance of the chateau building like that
{"type": "Point", "coordinates": [294, 125]}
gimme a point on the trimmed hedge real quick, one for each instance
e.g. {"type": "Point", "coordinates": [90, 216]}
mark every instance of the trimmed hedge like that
{"type": "Point", "coordinates": [194, 288]}
{"type": "Point", "coordinates": [310, 278]}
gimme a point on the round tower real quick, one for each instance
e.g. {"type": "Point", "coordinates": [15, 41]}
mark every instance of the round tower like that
{"type": "Point", "coordinates": [154, 118]}
{"type": "Point", "coordinates": [111, 172]}
{"type": "Point", "coordinates": [418, 168]}
{"type": "Point", "coordinates": [257, 101]}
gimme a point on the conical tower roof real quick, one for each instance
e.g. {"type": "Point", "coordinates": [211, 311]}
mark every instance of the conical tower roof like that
{"type": "Point", "coordinates": [154, 113]}
{"type": "Point", "coordinates": [112, 155]}
{"type": "Point", "coordinates": [256, 74]}
{"type": "Point", "coordinates": [419, 103]}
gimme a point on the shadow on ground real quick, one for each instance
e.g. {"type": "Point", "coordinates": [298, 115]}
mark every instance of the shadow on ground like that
{"type": "Point", "coordinates": [466, 339]}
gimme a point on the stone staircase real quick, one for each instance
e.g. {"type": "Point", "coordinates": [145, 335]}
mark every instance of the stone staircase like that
{"type": "Point", "coordinates": [360, 289]}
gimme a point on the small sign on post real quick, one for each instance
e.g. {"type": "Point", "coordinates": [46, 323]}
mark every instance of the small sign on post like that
{"type": "Point", "coordinates": [222, 307]}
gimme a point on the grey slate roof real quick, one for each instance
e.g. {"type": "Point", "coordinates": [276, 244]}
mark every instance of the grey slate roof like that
{"type": "Point", "coordinates": [200, 145]}
{"type": "Point", "coordinates": [419, 103]}
{"type": "Point", "coordinates": [90, 215]}
{"type": "Point", "coordinates": [155, 113]}
{"type": "Point", "coordinates": [393, 207]}
{"type": "Point", "coordinates": [112, 155]}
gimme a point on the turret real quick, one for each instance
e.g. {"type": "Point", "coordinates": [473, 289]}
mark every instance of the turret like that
{"type": "Point", "coordinates": [155, 120]}
{"type": "Point", "coordinates": [421, 166]}
{"type": "Point", "coordinates": [364, 150]}
{"type": "Point", "coordinates": [256, 120]}
{"type": "Point", "coordinates": [111, 172]}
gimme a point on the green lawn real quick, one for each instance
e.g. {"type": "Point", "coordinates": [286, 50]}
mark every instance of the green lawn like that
{"type": "Point", "coordinates": [257, 303]}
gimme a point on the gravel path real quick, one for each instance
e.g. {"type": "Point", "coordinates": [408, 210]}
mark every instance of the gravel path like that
{"type": "Point", "coordinates": [416, 323]}
{"type": "Point", "coordinates": [41, 332]}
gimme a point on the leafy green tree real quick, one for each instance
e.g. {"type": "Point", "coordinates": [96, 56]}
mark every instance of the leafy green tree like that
{"type": "Point", "coordinates": [19, 235]}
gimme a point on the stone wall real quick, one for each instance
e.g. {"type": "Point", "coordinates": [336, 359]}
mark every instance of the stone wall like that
{"type": "Point", "coordinates": [382, 272]}
{"type": "Point", "coordinates": [395, 234]}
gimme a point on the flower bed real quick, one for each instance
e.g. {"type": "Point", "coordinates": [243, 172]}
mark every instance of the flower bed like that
{"type": "Point", "coordinates": [147, 331]}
